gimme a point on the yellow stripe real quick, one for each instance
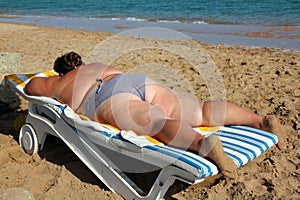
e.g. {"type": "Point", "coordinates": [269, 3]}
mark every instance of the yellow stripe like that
{"type": "Point", "coordinates": [153, 141]}
{"type": "Point", "coordinates": [208, 129]}
{"type": "Point", "coordinates": [50, 73]}
{"type": "Point", "coordinates": [30, 76]}
{"type": "Point", "coordinates": [111, 127]}
{"type": "Point", "coordinates": [14, 78]}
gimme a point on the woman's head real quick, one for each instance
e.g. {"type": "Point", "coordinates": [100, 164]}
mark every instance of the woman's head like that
{"type": "Point", "coordinates": [67, 62]}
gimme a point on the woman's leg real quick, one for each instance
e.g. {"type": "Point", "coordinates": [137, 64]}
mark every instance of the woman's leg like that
{"type": "Point", "coordinates": [218, 113]}
{"type": "Point", "coordinates": [146, 119]}
{"type": "Point", "coordinates": [208, 113]}
{"type": "Point", "coordinates": [215, 113]}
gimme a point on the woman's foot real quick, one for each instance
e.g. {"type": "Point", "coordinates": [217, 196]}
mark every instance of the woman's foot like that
{"type": "Point", "coordinates": [212, 148]}
{"type": "Point", "coordinates": [271, 124]}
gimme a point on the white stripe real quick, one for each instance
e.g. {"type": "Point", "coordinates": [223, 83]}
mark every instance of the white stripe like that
{"type": "Point", "coordinates": [236, 141]}
{"type": "Point", "coordinates": [241, 140]}
{"type": "Point", "coordinates": [23, 77]}
{"type": "Point", "coordinates": [196, 159]}
{"type": "Point", "coordinates": [258, 135]}
{"type": "Point", "coordinates": [240, 155]}
{"type": "Point", "coordinates": [237, 163]}
{"type": "Point", "coordinates": [247, 151]}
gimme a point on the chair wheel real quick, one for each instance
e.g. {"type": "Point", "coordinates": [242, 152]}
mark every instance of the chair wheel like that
{"type": "Point", "coordinates": [28, 139]}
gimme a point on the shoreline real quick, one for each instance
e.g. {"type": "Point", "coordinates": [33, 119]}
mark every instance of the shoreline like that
{"type": "Point", "coordinates": [284, 37]}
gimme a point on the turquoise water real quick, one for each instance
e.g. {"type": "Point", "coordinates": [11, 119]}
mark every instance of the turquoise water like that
{"type": "Point", "coordinates": [256, 23]}
{"type": "Point", "coordinates": [253, 12]}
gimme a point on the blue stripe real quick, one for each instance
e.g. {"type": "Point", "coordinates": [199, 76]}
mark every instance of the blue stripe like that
{"type": "Point", "coordinates": [242, 147]}
{"type": "Point", "coordinates": [173, 153]}
{"type": "Point", "coordinates": [249, 137]}
{"type": "Point", "coordinates": [181, 158]}
{"type": "Point", "coordinates": [106, 134]}
{"type": "Point", "coordinates": [194, 159]}
{"type": "Point", "coordinates": [251, 142]}
{"type": "Point", "coordinates": [235, 157]}
{"type": "Point", "coordinates": [266, 134]}
{"type": "Point", "coordinates": [229, 146]}
{"type": "Point", "coordinates": [241, 140]}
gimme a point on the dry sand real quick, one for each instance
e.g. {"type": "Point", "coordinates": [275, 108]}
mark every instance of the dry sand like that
{"type": "Point", "coordinates": [264, 80]}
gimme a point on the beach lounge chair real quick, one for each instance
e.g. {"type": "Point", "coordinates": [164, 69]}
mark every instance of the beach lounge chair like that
{"type": "Point", "coordinates": [109, 152]}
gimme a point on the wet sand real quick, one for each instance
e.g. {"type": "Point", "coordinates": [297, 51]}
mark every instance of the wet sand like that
{"type": "Point", "coordinates": [229, 34]}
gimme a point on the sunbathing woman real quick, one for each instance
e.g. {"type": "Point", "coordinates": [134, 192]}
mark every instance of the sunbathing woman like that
{"type": "Point", "coordinates": [134, 102]}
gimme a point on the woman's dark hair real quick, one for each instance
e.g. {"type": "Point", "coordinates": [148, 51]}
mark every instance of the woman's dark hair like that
{"type": "Point", "coordinates": [67, 62]}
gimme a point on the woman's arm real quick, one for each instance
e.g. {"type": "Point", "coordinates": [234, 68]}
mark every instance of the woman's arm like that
{"type": "Point", "coordinates": [40, 86]}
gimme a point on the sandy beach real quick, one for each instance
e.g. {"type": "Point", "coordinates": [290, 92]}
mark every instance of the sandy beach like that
{"type": "Point", "coordinates": [264, 80]}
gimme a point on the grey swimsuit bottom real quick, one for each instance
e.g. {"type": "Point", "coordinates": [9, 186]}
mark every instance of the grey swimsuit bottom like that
{"type": "Point", "coordinates": [123, 83]}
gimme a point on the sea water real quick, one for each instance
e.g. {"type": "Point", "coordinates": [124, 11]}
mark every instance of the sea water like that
{"type": "Point", "coordinates": [213, 21]}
